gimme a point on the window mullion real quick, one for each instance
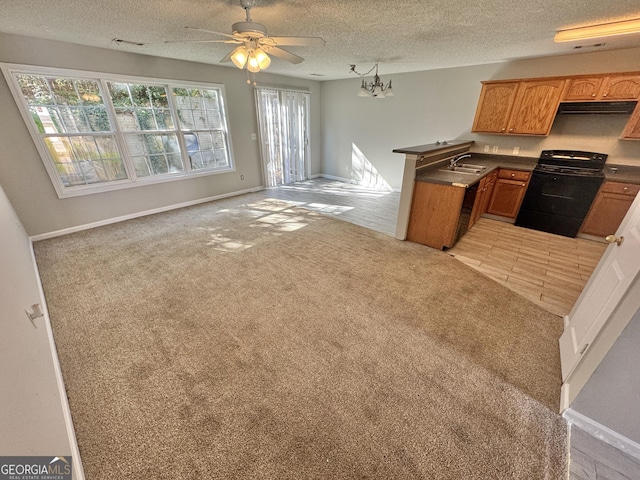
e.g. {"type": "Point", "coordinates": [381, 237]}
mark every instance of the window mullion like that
{"type": "Point", "coordinates": [173, 108]}
{"type": "Point", "coordinates": [117, 133]}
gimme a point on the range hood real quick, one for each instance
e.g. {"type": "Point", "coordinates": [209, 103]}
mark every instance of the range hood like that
{"type": "Point", "coordinates": [577, 108]}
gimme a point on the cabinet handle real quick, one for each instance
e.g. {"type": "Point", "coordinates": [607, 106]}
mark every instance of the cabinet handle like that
{"type": "Point", "coordinates": [511, 129]}
{"type": "Point", "coordinates": [625, 188]}
{"type": "Point", "coordinates": [503, 130]}
{"type": "Point", "coordinates": [513, 174]}
{"type": "Point", "coordinates": [604, 94]}
{"type": "Point", "coordinates": [523, 184]}
{"type": "Point", "coordinates": [593, 94]}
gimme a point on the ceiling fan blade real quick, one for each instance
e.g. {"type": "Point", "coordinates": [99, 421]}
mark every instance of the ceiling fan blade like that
{"type": "Point", "coordinates": [298, 41]}
{"type": "Point", "coordinates": [284, 55]}
{"type": "Point", "coordinates": [211, 31]}
{"type": "Point", "coordinates": [202, 41]}
{"type": "Point", "coordinates": [227, 57]}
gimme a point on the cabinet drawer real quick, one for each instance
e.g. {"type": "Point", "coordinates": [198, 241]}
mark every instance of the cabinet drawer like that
{"type": "Point", "coordinates": [514, 174]}
{"type": "Point", "coordinates": [622, 188]}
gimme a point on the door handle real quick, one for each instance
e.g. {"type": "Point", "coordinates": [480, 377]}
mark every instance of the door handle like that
{"type": "Point", "coordinates": [614, 239]}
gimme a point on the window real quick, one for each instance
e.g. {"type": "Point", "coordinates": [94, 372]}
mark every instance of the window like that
{"type": "Point", "coordinates": [97, 133]}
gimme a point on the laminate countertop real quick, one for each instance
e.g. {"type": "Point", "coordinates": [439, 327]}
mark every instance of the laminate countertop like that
{"type": "Point", "coordinates": [438, 172]}
{"type": "Point", "coordinates": [622, 173]}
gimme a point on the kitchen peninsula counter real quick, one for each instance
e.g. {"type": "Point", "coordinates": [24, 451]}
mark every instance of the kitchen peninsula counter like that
{"type": "Point", "coordinates": [438, 173]}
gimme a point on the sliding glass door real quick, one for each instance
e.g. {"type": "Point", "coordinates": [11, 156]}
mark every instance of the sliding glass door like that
{"type": "Point", "coordinates": [283, 116]}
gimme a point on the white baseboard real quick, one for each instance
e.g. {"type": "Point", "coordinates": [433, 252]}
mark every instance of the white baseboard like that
{"type": "Point", "coordinates": [108, 221]}
{"type": "Point", "coordinates": [602, 433]}
{"type": "Point", "coordinates": [78, 471]}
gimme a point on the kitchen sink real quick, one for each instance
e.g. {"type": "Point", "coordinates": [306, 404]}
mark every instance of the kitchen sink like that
{"type": "Point", "coordinates": [466, 168]}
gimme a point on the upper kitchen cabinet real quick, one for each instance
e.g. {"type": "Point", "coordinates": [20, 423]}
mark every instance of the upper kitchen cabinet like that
{"type": "Point", "coordinates": [621, 87]}
{"type": "Point", "coordinates": [518, 108]}
{"type": "Point", "coordinates": [582, 89]}
{"type": "Point", "coordinates": [632, 129]}
{"type": "Point", "coordinates": [494, 107]}
{"type": "Point", "coordinates": [602, 88]}
{"type": "Point", "coordinates": [535, 107]}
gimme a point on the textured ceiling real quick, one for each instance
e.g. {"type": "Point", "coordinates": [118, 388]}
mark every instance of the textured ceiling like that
{"type": "Point", "coordinates": [404, 36]}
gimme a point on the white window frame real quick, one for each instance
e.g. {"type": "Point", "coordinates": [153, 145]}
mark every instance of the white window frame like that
{"type": "Point", "coordinates": [9, 70]}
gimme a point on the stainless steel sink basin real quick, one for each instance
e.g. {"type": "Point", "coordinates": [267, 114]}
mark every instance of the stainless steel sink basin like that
{"type": "Point", "coordinates": [466, 168]}
{"type": "Point", "coordinates": [469, 165]}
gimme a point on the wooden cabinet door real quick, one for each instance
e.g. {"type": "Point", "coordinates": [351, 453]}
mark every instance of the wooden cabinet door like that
{"type": "Point", "coordinates": [582, 89]}
{"type": "Point", "coordinates": [632, 128]}
{"type": "Point", "coordinates": [489, 186]}
{"type": "Point", "coordinates": [435, 210]}
{"type": "Point", "coordinates": [494, 107]}
{"type": "Point", "coordinates": [477, 204]}
{"type": "Point", "coordinates": [609, 208]}
{"type": "Point", "coordinates": [621, 87]}
{"type": "Point", "coordinates": [535, 107]}
{"type": "Point", "coordinates": [507, 197]}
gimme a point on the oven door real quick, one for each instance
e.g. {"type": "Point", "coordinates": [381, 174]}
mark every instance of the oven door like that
{"type": "Point", "coordinates": [557, 202]}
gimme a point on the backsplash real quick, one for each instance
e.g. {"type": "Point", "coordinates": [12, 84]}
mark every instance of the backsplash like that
{"type": "Point", "coordinates": [593, 133]}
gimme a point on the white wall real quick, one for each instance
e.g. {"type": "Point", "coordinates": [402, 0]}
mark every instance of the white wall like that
{"type": "Point", "coordinates": [28, 186]}
{"type": "Point", "coordinates": [31, 414]}
{"type": "Point", "coordinates": [611, 395]}
{"type": "Point", "coordinates": [441, 104]}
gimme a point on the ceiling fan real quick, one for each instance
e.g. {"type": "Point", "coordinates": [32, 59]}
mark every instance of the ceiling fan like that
{"type": "Point", "coordinates": [255, 45]}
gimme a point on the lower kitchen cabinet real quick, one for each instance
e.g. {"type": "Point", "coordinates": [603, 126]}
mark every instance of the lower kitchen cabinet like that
{"type": "Point", "coordinates": [508, 192]}
{"type": "Point", "coordinates": [609, 208]}
{"type": "Point", "coordinates": [435, 211]}
{"type": "Point", "coordinates": [485, 189]}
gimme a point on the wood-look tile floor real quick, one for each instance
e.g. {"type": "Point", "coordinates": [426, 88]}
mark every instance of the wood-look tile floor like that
{"type": "Point", "coordinates": [593, 459]}
{"type": "Point", "coordinates": [368, 207]}
{"type": "Point", "coordinates": [550, 270]}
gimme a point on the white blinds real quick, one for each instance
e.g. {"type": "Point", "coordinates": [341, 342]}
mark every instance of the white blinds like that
{"type": "Point", "coordinates": [283, 117]}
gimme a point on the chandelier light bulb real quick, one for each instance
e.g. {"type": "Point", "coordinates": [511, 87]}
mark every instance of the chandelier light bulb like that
{"type": "Point", "coordinates": [389, 91]}
{"type": "Point", "coordinates": [363, 92]}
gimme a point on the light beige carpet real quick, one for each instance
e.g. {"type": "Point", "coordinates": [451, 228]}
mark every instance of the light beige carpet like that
{"type": "Point", "coordinates": [247, 338]}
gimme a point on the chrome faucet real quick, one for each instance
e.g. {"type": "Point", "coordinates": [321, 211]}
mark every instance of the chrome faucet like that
{"type": "Point", "coordinates": [454, 161]}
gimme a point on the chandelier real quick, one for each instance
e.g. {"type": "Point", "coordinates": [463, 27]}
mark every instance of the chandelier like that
{"type": "Point", "coordinates": [377, 88]}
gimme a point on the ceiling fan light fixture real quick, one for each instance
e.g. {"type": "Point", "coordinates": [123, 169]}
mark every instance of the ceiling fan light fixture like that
{"type": "Point", "coordinates": [239, 56]}
{"type": "Point", "coordinates": [597, 31]}
{"type": "Point", "coordinates": [263, 59]}
{"type": "Point", "coordinates": [252, 63]}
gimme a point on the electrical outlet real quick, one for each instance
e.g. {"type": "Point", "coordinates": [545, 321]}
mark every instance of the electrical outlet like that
{"type": "Point", "coordinates": [516, 150]}
{"type": "Point", "coordinates": [254, 136]}
{"type": "Point", "coordinates": [241, 177]}
{"type": "Point", "coordinates": [486, 148]}
{"type": "Point", "coordinates": [495, 149]}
